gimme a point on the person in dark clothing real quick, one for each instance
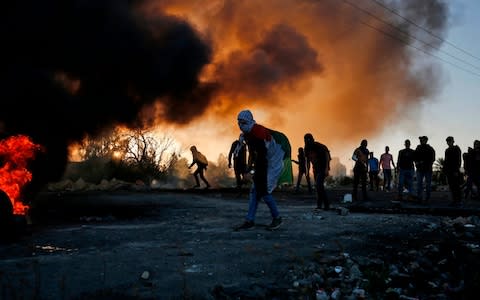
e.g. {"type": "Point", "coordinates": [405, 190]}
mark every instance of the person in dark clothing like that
{"type": "Point", "coordinates": [373, 170]}
{"type": "Point", "coordinates": [201, 161]}
{"type": "Point", "coordinates": [360, 156]}
{"type": "Point", "coordinates": [318, 156]}
{"type": "Point", "coordinates": [471, 165]}
{"type": "Point", "coordinates": [424, 158]}
{"type": "Point", "coordinates": [265, 159]}
{"type": "Point", "coordinates": [238, 153]}
{"type": "Point", "coordinates": [302, 170]}
{"type": "Point", "coordinates": [468, 185]}
{"type": "Point", "coordinates": [451, 168]}
{"type": "Point", "coordinates": [405, 169]}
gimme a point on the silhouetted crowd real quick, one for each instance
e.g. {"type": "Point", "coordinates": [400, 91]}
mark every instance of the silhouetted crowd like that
{"type": "Point", "coordinates": [417, 165]}
{"type": "Point", "coordinates": [262, 156]}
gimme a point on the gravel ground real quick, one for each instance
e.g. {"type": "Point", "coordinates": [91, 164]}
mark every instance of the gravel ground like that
{"type": "Point", "coordinates": [167, 245]}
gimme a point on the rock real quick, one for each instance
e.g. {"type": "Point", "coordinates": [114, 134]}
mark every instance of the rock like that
{"type": "Point", "coordinates": [145, 275]}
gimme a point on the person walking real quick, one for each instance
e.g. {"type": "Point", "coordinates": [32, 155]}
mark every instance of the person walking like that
{"type": "Point", "coordinates": [386, 163]}
{"type": "Point", "coordinates": [405, 169]}
{"type": "Point", "coordinates": [360, 156]}
{"type": "Point", "coordinates": [373, 170]}
{"type": "Point", "coordinates": [238, 153]}
{"type": "Point", "coordinates": [266, 164]}
{"type": "Point", "coordinates": [302, 170]}
{"type": "Point", "coordinates": [318, 156]}
{"type": "Point", "coordinates": [424, 157]}
{"type": "Point", "coordinates": [451, 168]}
{"type": "Point", "coordinates": [201, 161]}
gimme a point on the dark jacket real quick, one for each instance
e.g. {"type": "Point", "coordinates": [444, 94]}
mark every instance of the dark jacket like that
{"type": "Point", "coordinates": [318, 155]}
{"type": "Point", "coordinates": [361, 164]}
{"type": "Point", "coordinates": [405, 159]}
{"type": "Point", "coordinates": [255, 140]}
{"type": "Point", "coordinates": [424, 158]}
{"type": "Point", "coordinates": [471, 163]}
{"type": "Point", "coordinates": [453, 159]}
{"type": "Point", "coordinates": [240, 160]}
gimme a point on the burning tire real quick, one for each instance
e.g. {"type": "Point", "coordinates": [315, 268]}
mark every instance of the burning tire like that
{"type": "Point", "coordinates": [6, 215]}
{"type": "Point", "coordinates": [11, 225]}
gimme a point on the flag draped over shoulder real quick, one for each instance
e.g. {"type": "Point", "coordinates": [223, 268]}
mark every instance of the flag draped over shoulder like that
{"type": "Point", "coordinates": [286, 177]}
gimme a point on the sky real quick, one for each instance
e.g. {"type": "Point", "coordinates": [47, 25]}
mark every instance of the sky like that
{"type": "Point", "coordinates": [452, 109]}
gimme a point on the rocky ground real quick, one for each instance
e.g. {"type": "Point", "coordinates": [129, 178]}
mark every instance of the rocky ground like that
{"type": "Point", "coordinates": [181, 245]}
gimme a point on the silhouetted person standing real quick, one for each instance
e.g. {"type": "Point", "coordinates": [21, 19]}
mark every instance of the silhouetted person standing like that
{"type": "Point", "coordinates": [373, 170]}
{"type": "Point", "coordinates": [318, 156]}
{"type": "Point", "coordinates": [472, 167]}
{"type": "Point", "coordinates": [405, 169]}
{"type": "Point", "coordinates": [424, 158]}
{"type": "Point", "coordinates": [201, 161]}
{"type": "Point", "coordinates": [360, 156]}
{"type": "Point", "coordinates": [302, 170]}
{"type": "Point", "coordinates": [451, 168]}
{"type": "Point", "coordinates": [238, 152]}
{"type": "Point", "coordinates": [386, 163]}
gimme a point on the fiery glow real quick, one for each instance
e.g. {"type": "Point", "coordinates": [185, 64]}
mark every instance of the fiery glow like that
{"type": "Point", "coordinates": [16, 152]}
{"type": "Point", "coordinates": [327, 67]}
{"type": "Point", "coordinates": [300, 64]}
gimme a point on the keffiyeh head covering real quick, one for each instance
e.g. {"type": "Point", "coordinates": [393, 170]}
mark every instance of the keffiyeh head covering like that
{"type": "Point", "coordinates": [245, 121]}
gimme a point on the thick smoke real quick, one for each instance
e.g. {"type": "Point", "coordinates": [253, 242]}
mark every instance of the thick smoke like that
{"type": "Point", "coordinates": [322, 66]}
{"type": "Point", "coordinates": [343, 70]}
{"type": "Point", "coordinates": [71, 68]}
{"type": "Point", "coordinates": [281, 57]}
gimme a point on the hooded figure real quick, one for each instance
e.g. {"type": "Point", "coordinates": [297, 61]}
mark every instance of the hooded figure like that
{"type": "Point", "coordinates": [271, 160]}
{"type": "Point", "coordinates": [266, 160]}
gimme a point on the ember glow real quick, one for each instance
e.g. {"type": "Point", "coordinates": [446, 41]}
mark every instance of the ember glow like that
{"type": "Point", "coordinates": [16, 152]}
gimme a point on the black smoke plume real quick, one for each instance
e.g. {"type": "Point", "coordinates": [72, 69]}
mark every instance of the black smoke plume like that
{"type": "Point", "coordinates": [73, 67]}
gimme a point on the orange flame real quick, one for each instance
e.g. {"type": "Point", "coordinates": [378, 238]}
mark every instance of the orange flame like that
{"type": "Point", "coordinates": [15, 152]}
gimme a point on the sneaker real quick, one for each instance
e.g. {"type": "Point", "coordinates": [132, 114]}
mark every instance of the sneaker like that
{"type": "Point", "coordinates": [276, 222]}
{"type": "Point", "coordinates": [245, 225]}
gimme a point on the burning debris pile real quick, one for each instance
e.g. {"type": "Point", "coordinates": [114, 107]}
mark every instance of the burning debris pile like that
{"type": "Point", "coordinates": [15, 154]}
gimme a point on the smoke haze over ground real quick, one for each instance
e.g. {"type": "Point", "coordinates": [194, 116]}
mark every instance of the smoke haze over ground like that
{"type": "Point", "coordinates": [337, 69]}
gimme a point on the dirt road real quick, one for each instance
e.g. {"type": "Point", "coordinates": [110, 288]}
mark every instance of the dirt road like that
{"type": "Point", "coordinates": [160, 245]}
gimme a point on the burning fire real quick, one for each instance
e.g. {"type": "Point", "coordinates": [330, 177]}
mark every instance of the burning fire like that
{"type": "Point", "coordinates": [15, 153]}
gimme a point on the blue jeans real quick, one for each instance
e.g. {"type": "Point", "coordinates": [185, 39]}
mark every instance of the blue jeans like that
{"type": "Point", "coordinates": [405, 178]}
{"type": "Point", "coordinates": [421, 175]}
{"type": "Point", "coordinates": [253, 204]}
